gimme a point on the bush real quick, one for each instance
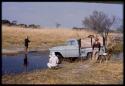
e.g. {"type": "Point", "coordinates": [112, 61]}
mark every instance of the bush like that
{"type": "Point", "coordinates": [116, 47]}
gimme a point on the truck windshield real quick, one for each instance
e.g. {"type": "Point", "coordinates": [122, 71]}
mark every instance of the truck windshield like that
{"type": "Point", "coordinates": [71, 42]}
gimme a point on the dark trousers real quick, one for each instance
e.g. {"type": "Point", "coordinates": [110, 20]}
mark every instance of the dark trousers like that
{"type": "Point", "coordinates": [26, 49]}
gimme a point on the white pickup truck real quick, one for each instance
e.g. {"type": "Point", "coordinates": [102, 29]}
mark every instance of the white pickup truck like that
{"type": "Point", "coordinates": [72, 48]}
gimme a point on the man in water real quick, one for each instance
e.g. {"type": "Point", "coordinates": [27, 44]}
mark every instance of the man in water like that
{"type": "Point", "coordinates": [26, 44]}
{"type": "Point", "coordinates": [53, 61]}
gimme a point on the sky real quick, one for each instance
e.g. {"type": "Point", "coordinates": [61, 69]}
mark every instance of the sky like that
{"type": "Point", "coordinates": [47, 14]}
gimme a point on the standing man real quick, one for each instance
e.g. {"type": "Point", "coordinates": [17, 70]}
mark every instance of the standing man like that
{"type": "Point", "coordinates": [26, 44]}
{"type": "Point", "coordinates": [79, 41]}
{"type": "Point", "coordinates": [96, 48]}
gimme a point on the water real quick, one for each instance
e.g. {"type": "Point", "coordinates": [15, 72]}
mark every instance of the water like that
{"type": "Point", "coordinates": [33, 61]}
{"type": "Point", "coordinates": [24, 63]}
{"type": "Point", "coordinates": [118, 56]}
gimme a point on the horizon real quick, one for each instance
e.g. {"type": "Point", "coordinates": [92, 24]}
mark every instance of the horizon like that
{"type": "Point", "coordinates": [47, 14]}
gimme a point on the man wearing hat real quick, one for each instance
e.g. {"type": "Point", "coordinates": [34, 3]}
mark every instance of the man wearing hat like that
{"type": "Point", "coordinates": [96, 48]}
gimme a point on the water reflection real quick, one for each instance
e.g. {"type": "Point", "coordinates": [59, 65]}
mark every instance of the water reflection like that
{"type": "Point", "coordinates": [118, 56]}
{"type": "Point", "coordinates": [25, 62]}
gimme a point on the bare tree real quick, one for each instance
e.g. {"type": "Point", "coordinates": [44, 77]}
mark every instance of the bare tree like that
{"type": "Point", "coordinates": [58, 25]}
{"type": "Point", "coordinates": [101, 23]}
{"type": "Point", "coordinates": [120, 29]}
{"type": "Point", "coordinates": [14, 22]}
{"type": "Point", "coordinates": [37, 26]}
{"type": "Point", "coordinates": [23, 25]}
{"type": "Point", "coordinates": [120, 25]}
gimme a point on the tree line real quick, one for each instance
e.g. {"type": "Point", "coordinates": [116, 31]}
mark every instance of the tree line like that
{"type": "Point", "coordinates": [14, 23]}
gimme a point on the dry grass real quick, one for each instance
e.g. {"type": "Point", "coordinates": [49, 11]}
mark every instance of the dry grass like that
{"type": "Point", "coordinates": [72, 73]}
{"type": "Point", "coordinates": [13, 37]}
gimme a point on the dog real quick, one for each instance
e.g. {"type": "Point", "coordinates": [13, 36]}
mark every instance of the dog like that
{"type": "Point", "coordinates": [104, 57]}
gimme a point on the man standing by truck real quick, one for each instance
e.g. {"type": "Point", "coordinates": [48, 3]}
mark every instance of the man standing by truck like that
{"type": "Point", "coordinates": [96, 48]}
{"type": "Point", "coordinates": [79, 42]}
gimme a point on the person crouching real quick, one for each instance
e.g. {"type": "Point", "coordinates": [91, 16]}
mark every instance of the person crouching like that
{"type": "Point", "coordinates": [53, 61]}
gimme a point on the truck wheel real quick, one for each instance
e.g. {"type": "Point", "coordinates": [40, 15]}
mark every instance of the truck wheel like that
{"type": "Point", "coordinates": [89, 55]}
{"type": "Point", "coordinates": [60, 58]}
{"type": "Point", "coordinates": [72, 59]}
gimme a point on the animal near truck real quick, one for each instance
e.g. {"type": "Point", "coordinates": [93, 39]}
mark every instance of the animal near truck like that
{"type": "Point", "coordinates": [72, 49]}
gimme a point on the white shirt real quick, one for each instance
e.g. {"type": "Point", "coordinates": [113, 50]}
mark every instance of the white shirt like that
{"type": "Point", "coordinates": [53, 60]}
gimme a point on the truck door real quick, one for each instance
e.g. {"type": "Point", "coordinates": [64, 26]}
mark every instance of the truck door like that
{"type": "Point", "coordinates": [72, 49]}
